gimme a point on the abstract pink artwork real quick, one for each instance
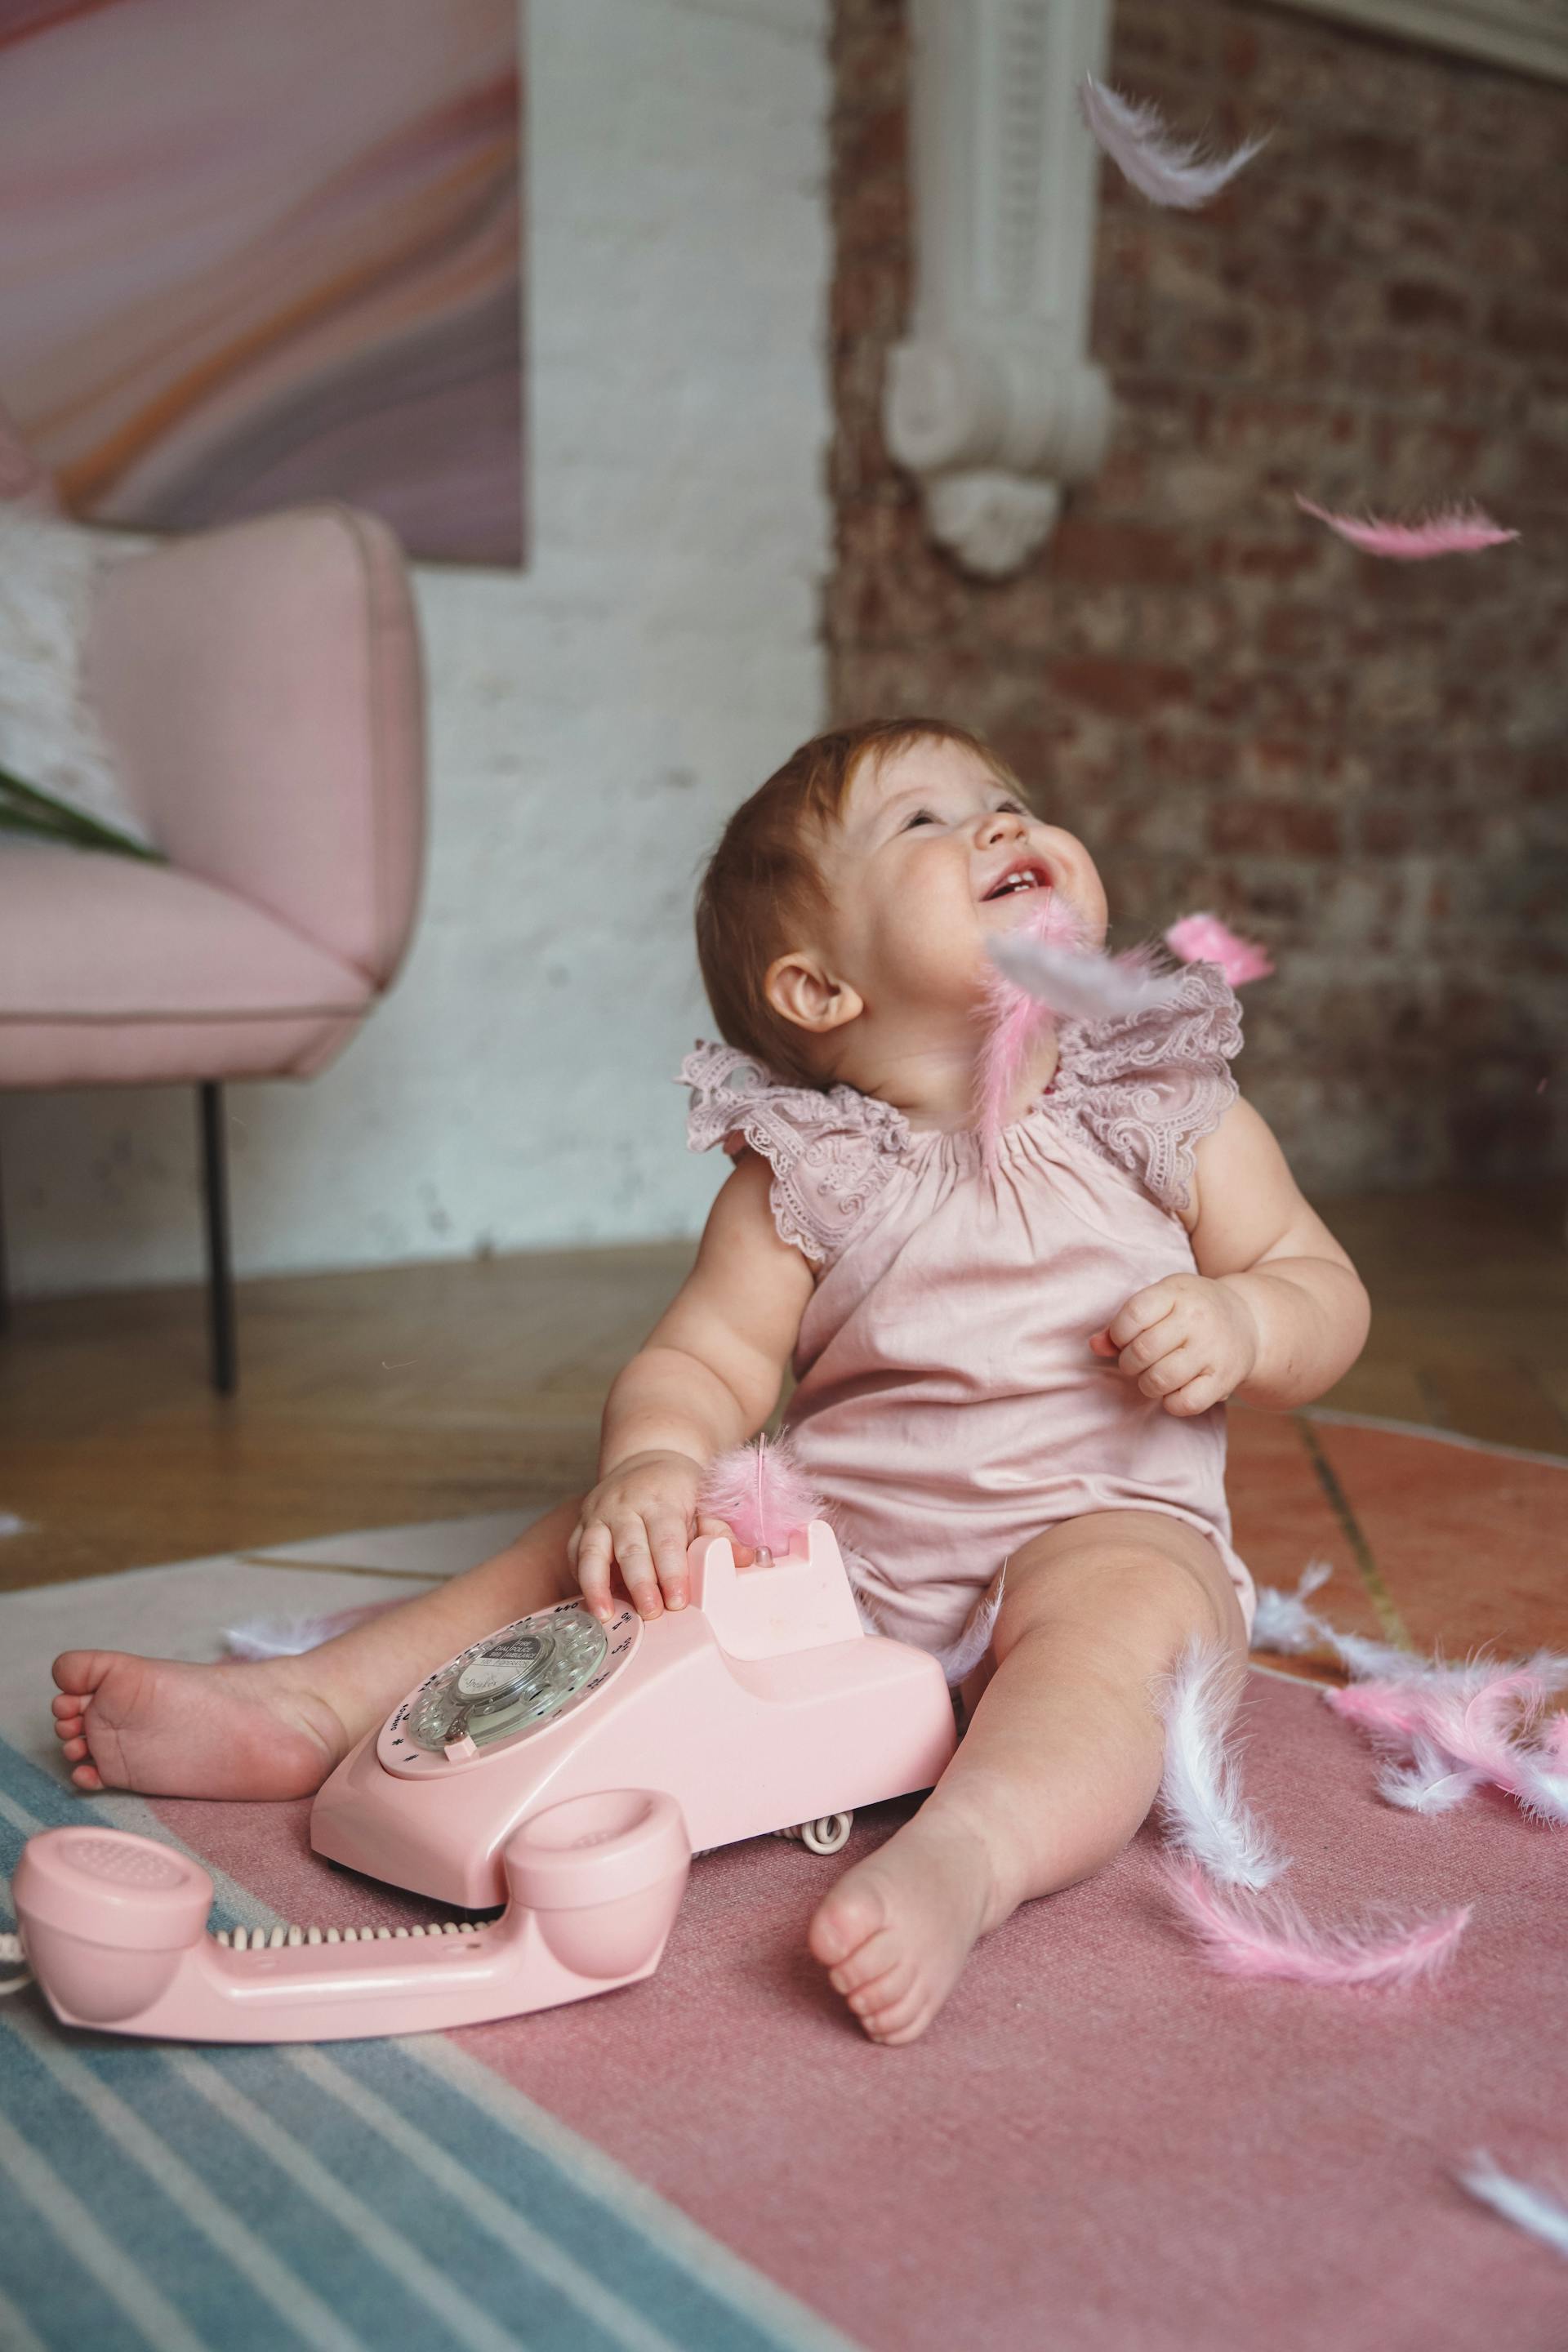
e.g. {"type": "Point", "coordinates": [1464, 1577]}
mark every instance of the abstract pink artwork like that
{"type": "Point", "coordinates": [250, 256]}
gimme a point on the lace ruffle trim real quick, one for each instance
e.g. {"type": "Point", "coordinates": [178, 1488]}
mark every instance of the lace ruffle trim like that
{"type": "Point", "coordinates": [830, 1152]}
{"type": "Point", "coordinates": [1149, 1086]}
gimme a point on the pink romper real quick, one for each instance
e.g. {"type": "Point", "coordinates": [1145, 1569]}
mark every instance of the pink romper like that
{"type": "Point", "coordinates": [947, 1406]}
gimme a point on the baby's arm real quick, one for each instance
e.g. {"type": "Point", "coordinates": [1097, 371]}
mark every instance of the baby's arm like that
{"type": "Point", "coordinates": [1275, 1312]}
{"type": "Point", "coordinates": [707, 1378]}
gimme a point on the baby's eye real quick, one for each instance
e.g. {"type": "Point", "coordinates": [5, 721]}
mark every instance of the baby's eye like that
{"type": "Point", "coordinates": [920, 816]}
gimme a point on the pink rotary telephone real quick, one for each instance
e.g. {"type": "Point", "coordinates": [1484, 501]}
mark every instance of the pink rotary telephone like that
{"type": "Point", "coordinates": [566, 1768]}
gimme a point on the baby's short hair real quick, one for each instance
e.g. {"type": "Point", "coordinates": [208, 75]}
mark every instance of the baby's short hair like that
{"type": "Point", "coordinates": [762, 894]}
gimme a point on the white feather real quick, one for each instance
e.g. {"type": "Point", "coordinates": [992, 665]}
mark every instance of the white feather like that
{"type": "Point", "coordinates": [1134, 136]}
{"type": "Point", "coordinates": [1201, 1804]}
{"type": "Point", "coordinates": [1080, 986]}
{"type": "Point", "coordinates": [1430, 1783]}
{"type": "Point", "coordinates": [961, 1657]}
{"type": "Point", "coordinates": [1517, 2201]}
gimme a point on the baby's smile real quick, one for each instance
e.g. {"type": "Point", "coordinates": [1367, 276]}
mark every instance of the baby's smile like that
{"type": "Point", "coordinates": [1021, 878]}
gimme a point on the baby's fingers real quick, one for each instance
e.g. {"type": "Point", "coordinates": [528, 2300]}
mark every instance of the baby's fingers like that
{"type": "Point", "coordinates": [1197, 1396]}
{"type": "Point", "coordinates": [1143, 1309]}
{"type": "Point", "coordinates": [667, 1534]}
{"type": "Point", "coordinates": [634, 1559]}
{"type": "Point", "coordinates": [1171, 1371]}
{"type": "Point", "coordinates": [595, 1554]}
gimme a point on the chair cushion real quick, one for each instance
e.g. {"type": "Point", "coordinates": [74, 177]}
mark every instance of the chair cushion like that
{"type": "Point", "coordinates": [116, 972]}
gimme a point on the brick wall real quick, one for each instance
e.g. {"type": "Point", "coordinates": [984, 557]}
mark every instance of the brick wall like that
{"type": "Point", "coordinates": [1361, 764]}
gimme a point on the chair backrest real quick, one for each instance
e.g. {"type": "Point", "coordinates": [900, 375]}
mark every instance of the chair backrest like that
{"type": "Point", "coordinates": [23, 480]}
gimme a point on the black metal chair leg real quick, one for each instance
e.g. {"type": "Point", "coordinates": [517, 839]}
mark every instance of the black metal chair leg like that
{"type": "Point", "coordinates": [220, 1271]}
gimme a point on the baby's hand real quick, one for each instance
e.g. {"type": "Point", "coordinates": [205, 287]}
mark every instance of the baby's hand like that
{"type": "Point", "coordinates": [1186, 1340]}
{"type": "Point", "coordinates": [641, 1517]}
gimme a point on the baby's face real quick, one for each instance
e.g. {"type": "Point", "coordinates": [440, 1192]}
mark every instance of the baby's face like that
{"type": "Point", "coordinates": [933, 855]}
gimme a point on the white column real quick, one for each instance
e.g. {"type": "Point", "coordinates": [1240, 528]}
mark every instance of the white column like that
{"type": "Point", "coordinates": [992, 400]}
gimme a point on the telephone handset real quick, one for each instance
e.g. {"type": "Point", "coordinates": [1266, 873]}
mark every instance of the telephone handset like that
{"type": "Point", "coordinates": [565, 1768]}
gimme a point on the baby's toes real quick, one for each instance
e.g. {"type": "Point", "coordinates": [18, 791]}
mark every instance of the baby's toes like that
{"type": "Point", "coordinates": [847, 1917]}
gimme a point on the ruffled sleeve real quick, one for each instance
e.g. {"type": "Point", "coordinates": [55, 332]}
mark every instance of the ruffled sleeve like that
{"type": "Point", "coordinates": [1149, 1086]}
{"type": "Point", "coordinates": [831, 1153]}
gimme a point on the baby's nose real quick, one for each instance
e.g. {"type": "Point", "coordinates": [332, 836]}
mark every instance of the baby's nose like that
{"type": "Point", "coordinates": [999, 824]}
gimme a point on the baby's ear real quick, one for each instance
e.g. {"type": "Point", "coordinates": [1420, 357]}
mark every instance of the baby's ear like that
{"type": "Point", "coordinates": [801, 989]}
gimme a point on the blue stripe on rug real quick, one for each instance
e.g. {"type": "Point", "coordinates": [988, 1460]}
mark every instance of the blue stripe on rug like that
{"type": "Point", "coordinates": [379, 2196]}
{"type": "Point", "coordinates": [69, 2306]}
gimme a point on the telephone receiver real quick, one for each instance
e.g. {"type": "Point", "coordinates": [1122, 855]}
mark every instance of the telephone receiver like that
{"type": "Point", "coordinates": [518, 1773]}
{"type": "Point", "coordinates": [114, 1929]}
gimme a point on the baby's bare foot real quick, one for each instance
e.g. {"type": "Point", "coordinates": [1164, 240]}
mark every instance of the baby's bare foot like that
{"type": "Point", "coordinates": [244, 1729]}
{"type": "Point", "coordinates": [895, 1932]}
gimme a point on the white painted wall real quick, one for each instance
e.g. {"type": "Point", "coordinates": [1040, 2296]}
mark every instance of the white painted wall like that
{"type": "Point", "coordinates": [593, 718]}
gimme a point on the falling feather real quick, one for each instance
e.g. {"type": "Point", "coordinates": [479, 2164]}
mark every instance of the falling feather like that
{"type": "Point", "coordinates": [1456, 530]}
{"type": "Point", "coordinates": [1078, 985]}
{"type": "Point", "coordinates": [1017, 1020]}
{"type": "Point", "coordinates": [761, 1493]}
{"type": "Point", "coordinates": [1518, 2201]}
{"type": "Point", "coordinates": [1134, 136]}
{"type": "Point", "coordinates": [1200, 1805]}
{"type": "Point", "coordinates": [1203, 939]}
{"type": "Point", "coordinates": [1268, 1935]}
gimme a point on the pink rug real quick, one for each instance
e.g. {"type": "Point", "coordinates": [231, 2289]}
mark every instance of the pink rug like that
{"type": "Point", "coordinates": [1101, 2144]}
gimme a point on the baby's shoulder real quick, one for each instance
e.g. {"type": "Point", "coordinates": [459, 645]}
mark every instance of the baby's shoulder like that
{"type": "Point", "coordinates": [830, 1149]}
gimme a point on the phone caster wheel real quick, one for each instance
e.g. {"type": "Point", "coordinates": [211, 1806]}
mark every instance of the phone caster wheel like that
{"type": "Point", "coordinates": [824, 1835]}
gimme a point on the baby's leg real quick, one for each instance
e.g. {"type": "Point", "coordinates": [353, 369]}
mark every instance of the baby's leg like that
{"type": "Point", "coordinates": [1060, 1763]}
{"type": "Point", "coordinates": [276, 1726]}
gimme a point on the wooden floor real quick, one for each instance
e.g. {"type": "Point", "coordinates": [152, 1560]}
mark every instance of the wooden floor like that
{"type": "Point", "coordinates": [422, 1392]}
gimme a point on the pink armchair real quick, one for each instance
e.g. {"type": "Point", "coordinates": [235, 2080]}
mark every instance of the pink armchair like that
{"type": "Point", "coordinates": [260, 687]}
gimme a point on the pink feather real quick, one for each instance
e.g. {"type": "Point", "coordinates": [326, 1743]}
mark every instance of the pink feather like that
{"type": "Point", "coordinates": [1133, 134]}
{"type": "Point", "coordinates": [1455, 530]}
{"type": "Point", "coordinates": [761, 1493]}
{"type": "Point", "coordinates": [1268, 1935]}
{"type": "Point", "coordinates": [1203, 939]}
{"type": "Point", "coordinates": [1017, 1020]}
{"type": "Point", "coordinates": [1471, 1723]}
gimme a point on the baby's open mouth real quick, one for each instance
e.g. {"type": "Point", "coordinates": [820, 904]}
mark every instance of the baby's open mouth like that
{"type": "Point", "coordinates": [1024, 875]}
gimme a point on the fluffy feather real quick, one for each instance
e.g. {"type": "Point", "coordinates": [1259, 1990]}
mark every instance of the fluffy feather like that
{"type": "Point", "coordinates": [1473, 1724]}
{"type": "Point", "coordinates": [1518, 2201]}
{"type": "Point", "coordinates": [961, 1657]}
{"type": "Point", "coordinates": [1080, 984]}
{"type": "Point", "coordinates": [1203, 939]}
{"type": "Point", "coordinates": [1266, 1934]}
{"type": "Point", "coordinates": [1455, 530]}
{"type": "Point", "coordinates": [1015, 1019]}
{"type": "Point", "coordinates": [288, 1637]}
{"type": "Point", "coordinates": [1134, 136]}
{"type": "Point", "coordinates": [761, 1495]}
{"type": "Point", "coordinates": [1201, 1806]}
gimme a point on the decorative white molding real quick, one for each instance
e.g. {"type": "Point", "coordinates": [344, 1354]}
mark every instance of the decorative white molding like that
{"type": "Point", "coordinates": [992, 400]}
{"type": "Point", "coordinates": [1531, 36]}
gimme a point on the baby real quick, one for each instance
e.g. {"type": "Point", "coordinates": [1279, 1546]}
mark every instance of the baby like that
{"type": "Point", "coordinates": [1011, 1360]}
